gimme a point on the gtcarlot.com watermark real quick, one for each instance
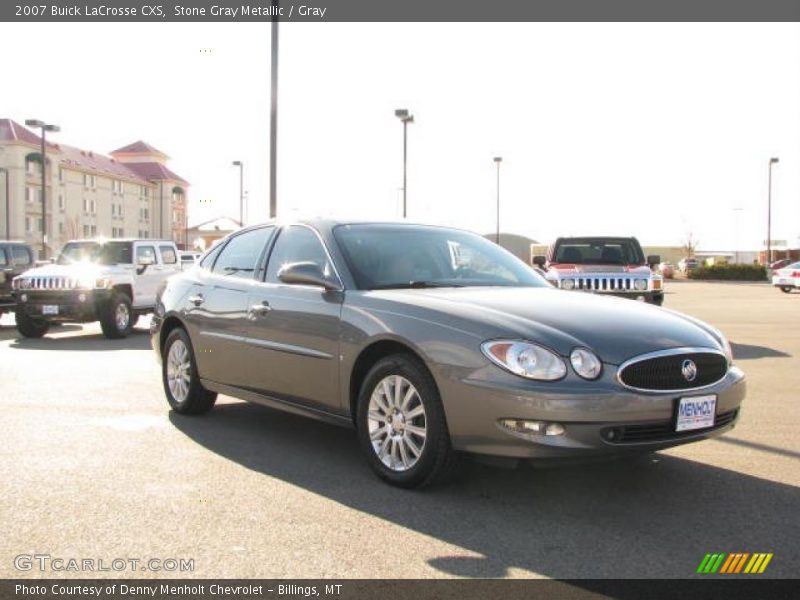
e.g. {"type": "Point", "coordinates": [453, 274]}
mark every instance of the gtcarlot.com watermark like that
{"type": "Point", "coordinates": [48, 563]}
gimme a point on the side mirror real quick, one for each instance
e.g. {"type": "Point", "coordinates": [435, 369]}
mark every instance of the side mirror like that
{"type": "Point", "coordinates": [653, 259]}
{"type": "Point", "coordinates": [145, 261]}
{"type": "Point", "coordinates": [539, 261]}
{"type": "Point", "coordinates": [305, 273]}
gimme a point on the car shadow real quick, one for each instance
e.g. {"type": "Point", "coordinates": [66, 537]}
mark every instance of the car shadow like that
{"type": "Point", "coordinates": [138, 339]}
{"type": "Point", "coordinates": [651, 517]}
{"type": "Point", "coordinates": [748, 351]}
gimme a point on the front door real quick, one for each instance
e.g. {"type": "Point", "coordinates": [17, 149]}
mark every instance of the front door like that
{"type": "Point", "coordinates": [293, 330]}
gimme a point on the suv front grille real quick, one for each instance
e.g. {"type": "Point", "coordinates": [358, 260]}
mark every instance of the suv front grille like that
{"type": "Point", "coordinates": [660, 431]}
{"type": "Point", "coordinates": [606, 283]}
{"type": "Point", "coordinates": [668, 372]}
{"type": "Point", "coordinates": [51, 283]}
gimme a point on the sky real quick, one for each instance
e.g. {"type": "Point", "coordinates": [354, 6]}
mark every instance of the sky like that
{"type": "Point", "coordinates": [652, 130]}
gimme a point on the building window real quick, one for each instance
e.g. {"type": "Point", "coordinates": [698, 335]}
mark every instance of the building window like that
{"type": "Point", "coordinates": [60, 175]}
{"type": "Point", "coordinates": [93, 206]}
{"type": "Point", "coordinates": [33, 167]}
{"type": "Point", "coordinates": [89, 181]}
{"type": "Point", "coordinates": [60, 227]}
{"type": "Point", "coordinates": [85, 206]}
{"type": "Point", "coordinates": [61, 202]}
{"type": "Point", "coordinates": [28, 225]}
{"type": "Point", "coordinates": [86, 231]}
{"type": "Point", "coordinates": [94, 230]}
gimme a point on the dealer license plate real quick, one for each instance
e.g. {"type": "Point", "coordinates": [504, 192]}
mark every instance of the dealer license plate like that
{"type": "Point", "coordinates": [50, 309]}
{"type": "Point", "coordinates": [696, 412]}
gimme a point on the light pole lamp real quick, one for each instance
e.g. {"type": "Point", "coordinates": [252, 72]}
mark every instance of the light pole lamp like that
{"type": "Point", "coordinates": [497, 161]}
{"type": "Point", "coordinates": [736, 212]}
{"type": "Point", "coordinates": [240, 164]}
{"type": "Point", "coordinates": [772, 161]}
{"type": "Point", "coordinates": [44, 128]}
{"type": "Point", "coordinates": [406, 117]}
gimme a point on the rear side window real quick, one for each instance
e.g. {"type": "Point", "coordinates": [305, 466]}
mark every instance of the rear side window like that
{"type": "Point", "coordinates": [3, 259]}
{"type": "Point", "coordinates": [239, 257]}
{"type": "Point", "coordinates": [168, 255]}
{"type": "Point", "coordinates": [21, 256]}
{"type": "Point", "coordinates": [208, 260]}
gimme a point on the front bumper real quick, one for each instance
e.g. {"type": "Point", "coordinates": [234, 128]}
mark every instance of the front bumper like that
{"type": "Point", "coordinates": [642, 421]}
{"type": "Point", "coordinates": [73, 305]}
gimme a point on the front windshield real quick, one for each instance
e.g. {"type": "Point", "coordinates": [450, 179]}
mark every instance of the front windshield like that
{"type": "Point", "coordinates": [384, 256]}
{"type": "Point", "coordinates": [598, 251]}
{"type": "Point", "coordinates": [107, 253]}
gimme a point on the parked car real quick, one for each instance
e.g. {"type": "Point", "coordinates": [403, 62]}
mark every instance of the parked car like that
{"type": "Point", "coordinates": [15, 257]}
{"type": "Point", "coordinates": [688, 264]}
{"type": "Point", "coordinates": [188, 259]}
{"type": "Point", "coordinates": [667, 270]}
{"type": "Point", "coordinates": [787, 278]}
{"type": "Point", "coordinates": [613, 266]}
{"type": "Point", "coordinates": [111, 281]}
{"type": "Point", "coordinates": [432, 341]}
{"type": "Point", "coordinates": [780, 264]}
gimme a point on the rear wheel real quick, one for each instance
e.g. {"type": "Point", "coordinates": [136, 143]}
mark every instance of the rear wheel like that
{"type": "Point", "coordinates": [181, 380]}
{"type": "Point", "coordinates": [786, 289]}
{"type": "Point", "coordinates": [117, 318]}
{"type": "Point", "coordinates": [30, 327]}
{"type": "Point", "coordinates": [401, 424]}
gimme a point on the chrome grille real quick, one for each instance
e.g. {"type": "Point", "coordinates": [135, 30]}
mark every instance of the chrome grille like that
{"type": "Point", "coordinates": [604, 283]}
{"type": "Point", "coordinates": [52, 283]}
{"type": "Point", "coordinates": [663, 371]}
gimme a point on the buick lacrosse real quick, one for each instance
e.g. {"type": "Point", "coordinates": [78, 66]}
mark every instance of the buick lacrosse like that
{"type": "Point", "coordinates": [433, 342]}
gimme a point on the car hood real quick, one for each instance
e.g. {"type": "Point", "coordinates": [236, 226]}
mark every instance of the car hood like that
{"type": "Point", "coordinates": [615, 328]}
{"type": "Point", "coordinates": [567, 268]}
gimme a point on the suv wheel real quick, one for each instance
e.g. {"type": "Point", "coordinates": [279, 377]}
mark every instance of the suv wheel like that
{"type": "Point", "coordinates": [30, 327]}
{"type": "Point", "coordinates": [179, 375]}
{"type": "Point", "coordinates": [117, 318]}
{"type": "Point", "coordinates": [401, 424]}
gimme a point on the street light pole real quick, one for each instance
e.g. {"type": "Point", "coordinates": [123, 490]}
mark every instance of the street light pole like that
{"type": "Point", "coordinates": [772, 161]}
{"type": "Point", "coordinates": [240, 164]}
{"type": "Point", "coordinates": [273, 117]}
{"type": "Point", "coordinates": [406, 118]}
{"type": "Point", "coordinates": [44, 127]}
{"type": "Point", "coordinates": [8, 204]}
{"type": "Point", "coordinates": [497, 161]}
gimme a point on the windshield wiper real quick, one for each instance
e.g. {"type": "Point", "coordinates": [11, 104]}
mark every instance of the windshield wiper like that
{"type": "Point", "coordinates": [415, 285]}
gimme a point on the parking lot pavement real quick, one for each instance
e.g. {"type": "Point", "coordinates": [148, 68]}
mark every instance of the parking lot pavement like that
{"type": "Point", "coordinates": [95, 466]}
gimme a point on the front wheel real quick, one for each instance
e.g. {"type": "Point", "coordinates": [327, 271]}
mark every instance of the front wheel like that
{"type": "Point", "coordinates": [401, 424]}
{"type": "Point", "coordinates": [657, 300]}
{"type": "Point", "coordinates": [181, 380]}
{"type": "Point", "coordinates": [117, 318]}
{"type": "Point", "coordinates": [786, 289]}
{"type": "Point", "coordinates": [30, 327]}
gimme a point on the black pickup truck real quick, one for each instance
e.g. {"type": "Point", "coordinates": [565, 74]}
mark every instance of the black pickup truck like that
{"type": "Point", "coordinates": [15, 257]}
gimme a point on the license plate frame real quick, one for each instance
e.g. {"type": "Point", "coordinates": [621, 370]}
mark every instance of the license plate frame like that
{"type": "Point", "coordinates": [50, 309]}
{"type": "Point", "coordinates": [692, 420]}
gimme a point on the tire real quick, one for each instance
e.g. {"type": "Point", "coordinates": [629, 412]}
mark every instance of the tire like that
{"type": "Point", "coordinates": [656, 300]}
{"type": "Point", "coordinates": [188, 397]}
{"type": "Point", "coordinates": [30, 327]}
{"type": "Point", "coordinates": [391, 454]}
{"type": "Point", "coordinates": [786, 289]}
{"type": "Point", "coordinates": [117, 318]}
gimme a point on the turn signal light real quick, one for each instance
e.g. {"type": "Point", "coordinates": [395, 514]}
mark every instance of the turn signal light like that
{"type": "Point", "coordinates": [531, 429]}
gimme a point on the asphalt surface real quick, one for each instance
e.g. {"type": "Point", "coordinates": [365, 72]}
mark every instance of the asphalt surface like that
{"type": "Point", "coordinates": [94, 465]}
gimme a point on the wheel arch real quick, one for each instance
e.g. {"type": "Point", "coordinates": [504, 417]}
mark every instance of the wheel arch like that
{"type": "Point", "coordinates": [171, 322]}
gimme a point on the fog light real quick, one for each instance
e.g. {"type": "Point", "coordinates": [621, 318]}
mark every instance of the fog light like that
{"type": "Point", "coordinates": [24, 297]}
{"type": "Point", "coordinates": [530, 429]}
{"type": "Point", "coordinates": [81, 297]}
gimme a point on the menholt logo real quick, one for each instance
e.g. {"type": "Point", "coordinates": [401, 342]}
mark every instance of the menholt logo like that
{"type": "Point", "coordinates": [735, 563]}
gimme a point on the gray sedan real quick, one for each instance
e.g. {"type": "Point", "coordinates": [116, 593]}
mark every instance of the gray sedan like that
{"type": "Point", "coordinates": [434, 342]}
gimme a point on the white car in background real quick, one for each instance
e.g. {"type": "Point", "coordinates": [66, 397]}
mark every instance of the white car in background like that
{"type": "Point", "coordinates": [787, 278]}
{"type": "Point", "coordinates": [188, 259]}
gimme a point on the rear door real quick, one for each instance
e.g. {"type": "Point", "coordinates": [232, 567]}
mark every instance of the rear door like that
{"type": "Point", "coordinates": [216, 306]}
{"type": "Point", "coordinates": [6, 275]}
{"type": "Point", "coordinates": [293, 332]}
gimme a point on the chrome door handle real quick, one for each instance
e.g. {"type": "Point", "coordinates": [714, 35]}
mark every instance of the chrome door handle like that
{"type": "Point", "coordinates": [260, 309]}
{"type": "Point", "coordinates": [197, 300]}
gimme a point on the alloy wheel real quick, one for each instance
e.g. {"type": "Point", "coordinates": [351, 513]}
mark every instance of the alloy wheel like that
{"type": "Point", "coordinates": [179, 371]}
{"type": "Point", "coordinates": [397, 423]}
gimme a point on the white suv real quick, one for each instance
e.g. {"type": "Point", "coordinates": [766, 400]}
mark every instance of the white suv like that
{"type": "Point", "coordinates": [111, 281]}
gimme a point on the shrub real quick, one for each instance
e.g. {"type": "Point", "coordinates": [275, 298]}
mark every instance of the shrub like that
{"type": "Point", "coordinates": [730, 272]}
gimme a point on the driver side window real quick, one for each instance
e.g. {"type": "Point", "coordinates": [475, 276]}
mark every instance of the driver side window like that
{"type": "Point", "coordinates": [148, 253]}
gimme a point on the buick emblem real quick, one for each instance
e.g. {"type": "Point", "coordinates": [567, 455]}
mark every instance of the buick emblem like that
{"type": "Point", "coordinates": [689, 370]}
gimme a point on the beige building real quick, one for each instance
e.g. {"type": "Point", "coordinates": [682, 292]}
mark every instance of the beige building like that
{"type": "Point", "coordinates": [130, 193]}
{"type": "Point", "coordinates": [204, 235]}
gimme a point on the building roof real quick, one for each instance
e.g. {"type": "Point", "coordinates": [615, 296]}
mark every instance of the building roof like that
{"type": "Point", "coordinates": [138, 147]}
{"type": "Point", "coordinates": [11, 131]}
{"type": "Point", "coordinates": [146, 172]}
{"type": "Point", "coordinates": [217, 224]}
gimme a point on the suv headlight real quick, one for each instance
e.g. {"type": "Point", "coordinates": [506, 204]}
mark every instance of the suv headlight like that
{"type": "Point", "coordinates": [568, 284]}
{"type": "Point", "coordinates": [640, 285]}
{"type": "Point", "coordinates": [586, 363]}
{"type": "Point", "coordinates": [525, 359]}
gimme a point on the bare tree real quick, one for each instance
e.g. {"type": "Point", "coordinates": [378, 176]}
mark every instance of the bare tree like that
{"type": "Point", "coordinates": [690, 244]}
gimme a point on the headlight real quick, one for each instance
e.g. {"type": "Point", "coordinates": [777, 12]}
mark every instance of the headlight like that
{"type": "Point", "coordinates": [586, 363]}
{"type": "Point", "coordinates": [525, 359]}
{"type": "Point", "coordinates": [102, 283]}
{"type": "Point", "coordinates": [640, 285]}
{"type": "Point", "coordinates": [726, 348]}
{"type": "Point", "coordinates": [568, 284]}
